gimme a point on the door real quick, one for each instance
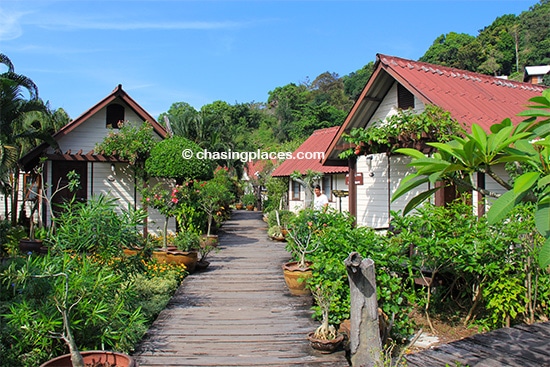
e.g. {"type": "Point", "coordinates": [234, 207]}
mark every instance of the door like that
{"type": "Point", "coordinates": [60, 169]}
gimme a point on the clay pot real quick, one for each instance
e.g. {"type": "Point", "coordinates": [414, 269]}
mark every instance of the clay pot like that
{"type": "Point", "coordinates": [188, 258]}
{"type": "Point", "coordinates": [296, 278]}
{"type": "Point", "coordinates": [323, 345]}
{"type": "Point", "coordinates": [94, 356]}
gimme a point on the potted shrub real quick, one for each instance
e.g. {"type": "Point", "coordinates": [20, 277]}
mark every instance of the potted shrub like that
{"type": "Point", "coordinates": [301, 241]}
{"type": "Point", "coordinates": [325, 338]}
{"type": "Point", "coordinates": [187, 244]}
{"type": "Point", "coordinates": [70, 280]}
{"type": "Point", "coordinates": [276, 233]}
{"type": "Point", "coordinates": [214, 198]}
{"type": "Point", "coordinates": [249, 201]}
{"type": "Point", "coordinates": [204, 251]}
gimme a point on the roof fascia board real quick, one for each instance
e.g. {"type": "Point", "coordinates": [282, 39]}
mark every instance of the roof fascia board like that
{"type": "Point", "coordinates": [343, 129]}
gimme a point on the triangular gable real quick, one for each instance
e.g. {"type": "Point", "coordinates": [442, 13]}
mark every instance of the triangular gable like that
{"type": "Point", "coordinates": [30, 159]}
{"type": "Point", "coordinates": [469, 97]}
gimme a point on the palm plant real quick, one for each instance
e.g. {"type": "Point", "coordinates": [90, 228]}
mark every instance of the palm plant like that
{"type": "Point", "coordinates": [13, 110]}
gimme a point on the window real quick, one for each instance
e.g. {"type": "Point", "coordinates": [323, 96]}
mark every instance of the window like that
{"type": "Point", "coordinates": [405, 99]}
{"type": "Point", "coordinates": [115, 115]}
{"type": "Point", "coordinates": [327, 187]}
{"type": "Point", "coordinates": [295, 190]}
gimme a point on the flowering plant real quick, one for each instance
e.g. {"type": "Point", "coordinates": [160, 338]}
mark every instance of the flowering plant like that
{"type": "Point", "coordinates": [167, 201]}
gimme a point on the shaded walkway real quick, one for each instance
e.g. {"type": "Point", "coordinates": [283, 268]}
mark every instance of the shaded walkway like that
{"type": "Point", "coordinates": [238, 312]}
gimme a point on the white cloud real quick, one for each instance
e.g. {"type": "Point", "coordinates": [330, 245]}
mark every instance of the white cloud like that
{"type": "Point", "coordinates": [10, 27]}
{"type": "Point", "coordinates": [126, 25]}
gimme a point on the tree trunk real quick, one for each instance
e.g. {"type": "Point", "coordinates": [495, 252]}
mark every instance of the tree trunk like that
{"type": "Point", "coordinates": [365, 343]}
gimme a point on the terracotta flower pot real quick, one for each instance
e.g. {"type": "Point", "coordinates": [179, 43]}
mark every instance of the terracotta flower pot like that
{"type": "Point", "coordinates": [188, 258]}
{"type": "Point", "coordinates": [296, 278]}
{"type": "Point", "coordinates": [94, 356]}
{"type": "Point", "coordinates": [324, 345]}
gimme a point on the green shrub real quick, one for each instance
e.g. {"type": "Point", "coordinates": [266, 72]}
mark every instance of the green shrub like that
{"type": "Point", "coordinates": [97, 227]}
{"type": "Point", "coordinates": [100, 315]}
{"type": "Point", "coordinates": [166, 160]}
{"type": "Point", "coordinates": [152, 294]}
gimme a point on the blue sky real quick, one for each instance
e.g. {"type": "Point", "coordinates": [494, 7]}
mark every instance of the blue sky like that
{"type": "Point", "coordinates": [198, 52]}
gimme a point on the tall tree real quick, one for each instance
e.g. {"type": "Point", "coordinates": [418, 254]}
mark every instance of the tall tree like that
{"type": "Point", "coordinates": [356, 81]}
{"type": "Point", "coordinates": [446, 48]}
{"type": "Point", "coordinates": [14, 108]}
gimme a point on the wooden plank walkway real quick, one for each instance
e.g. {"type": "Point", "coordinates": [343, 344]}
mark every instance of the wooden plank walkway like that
{"type": "Point", "coordinates": [519, 346]}
{"type": "Point", "coordinates": [238, 312]}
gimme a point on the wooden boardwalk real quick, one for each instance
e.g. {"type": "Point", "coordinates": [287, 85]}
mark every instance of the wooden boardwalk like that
{"type": "Point", "coordinates": [519, 346]}
{"type": "Point", "coordinates": [238, 312]}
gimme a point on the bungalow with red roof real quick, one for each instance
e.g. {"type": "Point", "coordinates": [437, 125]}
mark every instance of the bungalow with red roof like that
{"type": "Point", "coordinates": [99, 174]}
{"type": "Point", "coordinates": [400, 84]}
{"type": "Point", "coordinates": [308, 157]}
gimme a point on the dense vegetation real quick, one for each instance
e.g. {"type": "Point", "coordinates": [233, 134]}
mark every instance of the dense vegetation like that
{"type": "Point", "coordinates": [441, 262]}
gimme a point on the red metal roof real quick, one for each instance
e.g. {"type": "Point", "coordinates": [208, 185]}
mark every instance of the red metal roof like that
{"type": "Point", "coordinates": [469, 97]}
{"type": "Point", "coordinates": [309, 155]}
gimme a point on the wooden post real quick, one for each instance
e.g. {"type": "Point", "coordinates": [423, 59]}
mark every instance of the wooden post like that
{"type": "Point", "coordinates": [365, 344]}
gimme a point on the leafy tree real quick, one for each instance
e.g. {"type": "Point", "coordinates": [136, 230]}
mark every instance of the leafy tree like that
{"type": "Point", "coordinates": [285, 101]}
{"type": "Point", "coordinates": [167, 160]}
{"type": "Point", "coordinates": [535, 34]}
{"type": "Point", "coordinates": [446, 49]}
{"type": "Point", "coordinates": [181, 118]}
{"type": "Point", "coordinates": [499, 43]}
{"type": "Point", "coordinates": [356, 81]}
{"type": "Point", "coordinates": [329, 88]}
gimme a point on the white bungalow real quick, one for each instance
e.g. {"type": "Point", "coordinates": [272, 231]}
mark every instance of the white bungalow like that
{"type": "Point", "coordinates": [99, 174]}
{"type": "Point", "coordinates": [400, 84]}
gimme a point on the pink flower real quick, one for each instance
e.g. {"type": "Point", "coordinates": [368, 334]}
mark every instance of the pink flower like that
{"type": "Point", "coordinates": [175, 200]}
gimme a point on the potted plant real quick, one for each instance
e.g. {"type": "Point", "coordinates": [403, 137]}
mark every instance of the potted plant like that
{"type": "Point", "coordinates": [187, 244]}
{"type": "Point", "coordinates": [301, 241]}
{"type": "Point", "coordinates": [214, 197]}
{"type": "Point", "coordinates": [249, 201]}
{"type": "Point", "coordinates": [57, 271]}
{"type": "Point", "coordinates": [325, 338]}
{"type": "Point", "coordinates": [276, 233]}
{"type": "Point", "coordinates": [204, 251]}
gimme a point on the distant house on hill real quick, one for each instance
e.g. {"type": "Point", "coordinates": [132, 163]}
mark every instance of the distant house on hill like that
{"type": "Point", "coordinates": [99, 174]}
{"type": "Point", "coordinates": [308, 157]}
{"type": "Point", "coordinates": [535, 74]}
{"type": "Point", "coordinates": [399, 84]}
